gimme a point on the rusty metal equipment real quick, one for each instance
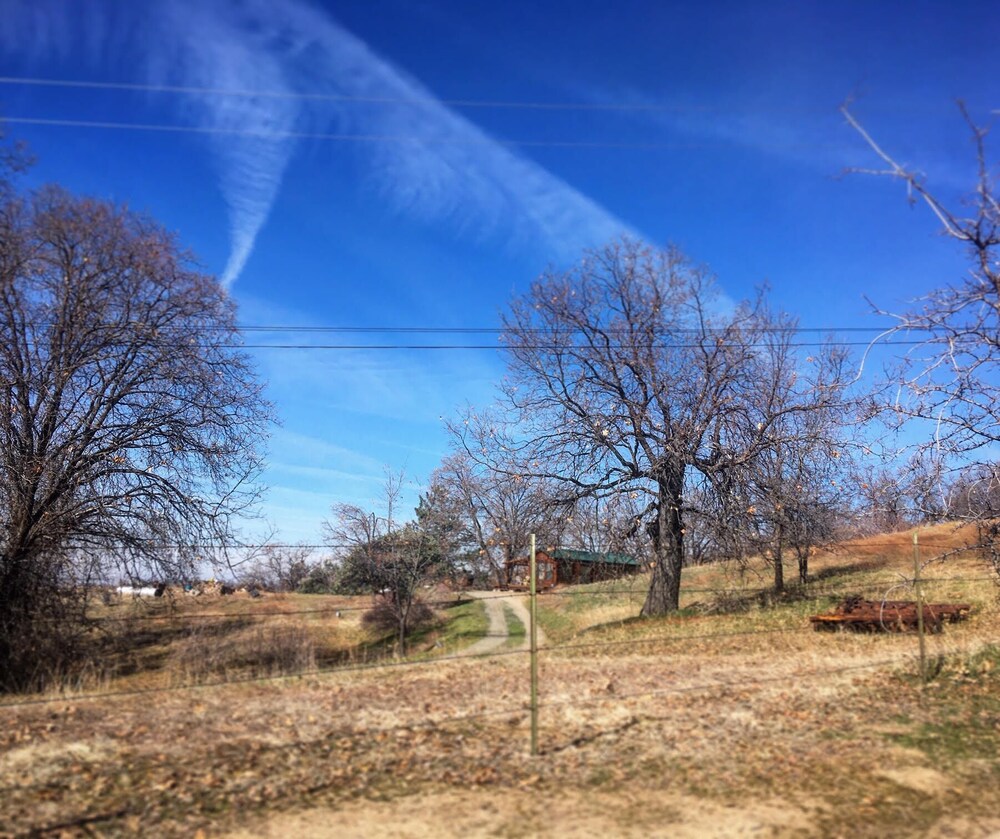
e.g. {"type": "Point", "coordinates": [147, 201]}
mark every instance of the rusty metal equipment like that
{"type": "Point", "coordinates": [889, 615]}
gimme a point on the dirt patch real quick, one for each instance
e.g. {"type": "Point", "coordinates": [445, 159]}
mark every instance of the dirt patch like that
{"type": "Point", "coordinates": [524, 814]}
{"type": "Point", "coordinates": [921, 779]}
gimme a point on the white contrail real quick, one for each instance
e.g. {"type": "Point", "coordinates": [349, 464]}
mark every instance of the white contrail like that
{"type": "Point", "coordinates": [465, 176]}
{"type": "Point", "coordinates": [462, 176]}
{"type": "Point", "coordinates": [206, 47]}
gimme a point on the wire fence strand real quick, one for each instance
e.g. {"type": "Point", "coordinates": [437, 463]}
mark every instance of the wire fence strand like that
{"type": "Point", "coordinates": [671, 638]}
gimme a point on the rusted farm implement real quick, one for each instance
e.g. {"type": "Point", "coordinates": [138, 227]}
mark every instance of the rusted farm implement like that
{"type": "Point", "coordinates": [889, 615]}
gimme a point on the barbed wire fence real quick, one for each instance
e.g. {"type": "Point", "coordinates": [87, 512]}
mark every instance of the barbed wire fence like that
{"type": "Point", "coordinates": [667, 634]}
{"type": "Point", "coordinates": [732, 600]}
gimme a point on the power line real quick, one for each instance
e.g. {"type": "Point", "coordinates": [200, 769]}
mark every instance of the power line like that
{"type": "Point", "coordinates": [568, 347]}
{"type": "Point", "coordinates": [553, 347]}
{"type": "Point", "coordinates": [415, 101]}
{"type": "Point", "coordinates": [188, 90]}
{"type": "Point", "coordinates": [247, 93]}
{"type": "Point", "coordinates": [499, 330]}
{"type": "Point", "coordinates": [359, 138]}
{"type": "Point", "coordinates": [471, 330]}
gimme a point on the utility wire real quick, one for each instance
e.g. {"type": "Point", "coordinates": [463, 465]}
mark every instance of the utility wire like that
{"type": "Point", "coordinates": [666, 332]}
{"type": "Point", "coordinates": [499, 104]}
{"type": "Point", "coordinates": [188, 90]}
{"type": "Point", "coordinates": [361, 138]}
{"type": "Point", "coordinates": [461, 330]}
{"type": "Point", "coordinates": [552, 347]}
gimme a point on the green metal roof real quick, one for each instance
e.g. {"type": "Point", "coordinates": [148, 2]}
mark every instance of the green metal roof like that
{"type": "Point", "coordinates": [591, 556]}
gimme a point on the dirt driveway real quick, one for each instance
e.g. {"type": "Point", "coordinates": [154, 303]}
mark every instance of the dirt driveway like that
{"type": "Point", "coordinates": [498, 632]}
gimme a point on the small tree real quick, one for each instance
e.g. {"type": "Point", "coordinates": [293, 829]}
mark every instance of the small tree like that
{"type": "Point", "coordinates": [277, 568]}
{"type": "Point", "coordinates": [441, 518]}
{"type": "Point", "coordinates": [382, 556]}
{"type": "Point", "coordinates": [789, 491]}
{"type": "Point", "coordinates": [323, 578]}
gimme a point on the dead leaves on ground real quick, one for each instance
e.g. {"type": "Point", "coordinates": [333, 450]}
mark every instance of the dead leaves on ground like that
{"type": "Point", "coordinates": [123, 765]}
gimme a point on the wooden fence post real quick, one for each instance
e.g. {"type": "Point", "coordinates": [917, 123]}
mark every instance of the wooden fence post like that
{"type": "Point", "coordinates": [920, 609]}
{"type": "Point", "coordinates": [533, 633]}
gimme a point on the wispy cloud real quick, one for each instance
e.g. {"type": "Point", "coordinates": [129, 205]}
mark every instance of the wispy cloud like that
{"type": "Point", "coordinates": [811, 134]}
{"type": "Point", "coordinates": [440, 167]}
{"type": "Point", "coordinates": [209, 49]}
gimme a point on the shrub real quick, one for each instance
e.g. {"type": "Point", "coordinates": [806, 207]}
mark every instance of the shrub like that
{"type": "Point", "coordinates": [384, 616]}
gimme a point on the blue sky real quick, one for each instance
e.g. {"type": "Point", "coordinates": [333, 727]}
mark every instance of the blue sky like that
{"type": "Point", "coordinates": [395, 170]}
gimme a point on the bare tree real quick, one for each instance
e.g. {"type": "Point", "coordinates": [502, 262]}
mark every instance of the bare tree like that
{"type": "Point", "coordinates": [880, 500]}
{"type": "Point", "coordinates": [628, 374]}
{"type": "Point", "coordinates": [130, 419]}
{"type": "Point", "coordinates": [276, 568]}
{"type": "Point", "coordinates": [501, 504]}
{"type": "Point", "coordinates": [949, 380]}
{"type": "Point", "coordinates": [975, 492]}
{"type": "Point", "coordinates": [14, 159]}
{"type": "Point", "coordinates": [789, 491]}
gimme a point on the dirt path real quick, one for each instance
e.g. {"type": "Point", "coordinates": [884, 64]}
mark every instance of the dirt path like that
{"type": "Point", "coordinates": [496, 606]}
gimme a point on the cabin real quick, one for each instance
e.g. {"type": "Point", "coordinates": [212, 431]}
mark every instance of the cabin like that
{"type": "Point", "coordinates": [568, 566]}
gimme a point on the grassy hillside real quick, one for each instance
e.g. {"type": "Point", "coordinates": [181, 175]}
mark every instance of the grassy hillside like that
{"type": "Point", "coordinates": [729, 718]}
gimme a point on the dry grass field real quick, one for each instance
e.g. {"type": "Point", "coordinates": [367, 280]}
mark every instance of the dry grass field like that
{"type": "Point", "coordinates": [731, 718]}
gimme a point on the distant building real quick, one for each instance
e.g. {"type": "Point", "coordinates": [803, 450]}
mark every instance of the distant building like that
{"type": "Point", "coordinates": [567, 566]}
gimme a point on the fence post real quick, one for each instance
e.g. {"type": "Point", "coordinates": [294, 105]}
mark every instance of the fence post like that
{"type": "Point", "coordinates": [533, 635]}
{"type": "Point", "coordinates": [920, 609]}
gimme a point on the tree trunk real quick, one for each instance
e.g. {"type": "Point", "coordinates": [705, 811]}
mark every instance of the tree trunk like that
{"type": "Point", "coordinates": [803, 566]}
{"type": "Point", "coordinates": [778, 557]}
{"type": "Point", "coordinates": [503, 571]}
{"type": "Point", "coordinates": [668, 542]}
{"type": "Point", "coordinates": [403, 612]}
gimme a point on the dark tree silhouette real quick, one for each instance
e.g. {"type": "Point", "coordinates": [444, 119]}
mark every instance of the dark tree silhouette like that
{"type": "Point", "coordinates": [130, 419]}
